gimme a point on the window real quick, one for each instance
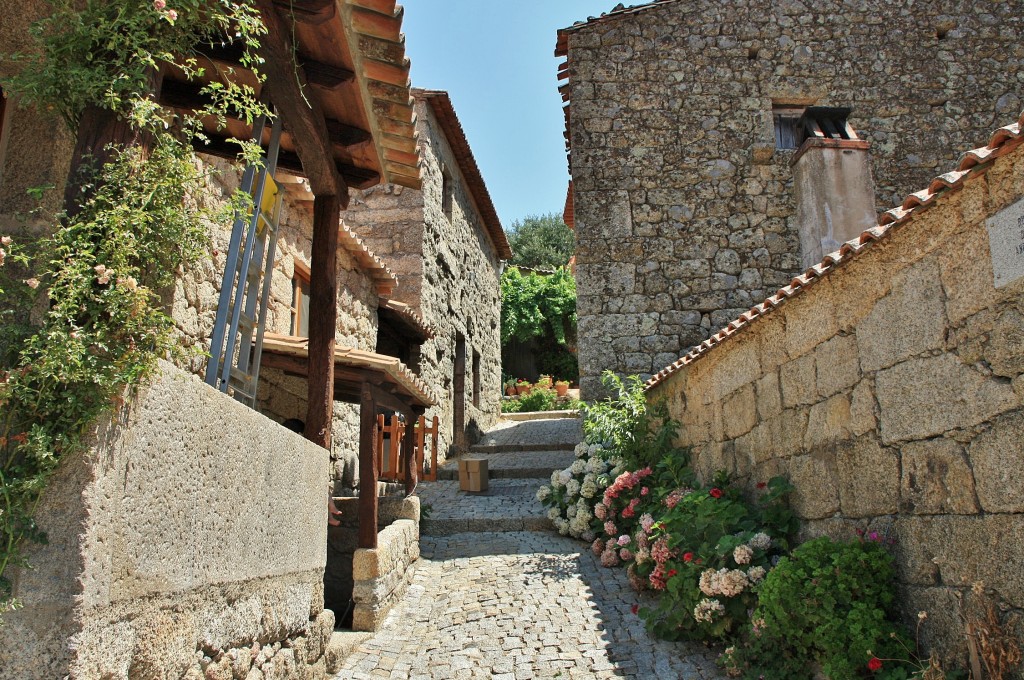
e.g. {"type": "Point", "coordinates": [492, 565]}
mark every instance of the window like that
{"type": "Point", "coordinates": [300, 301]}
{"type": "Point", "coordinates": [447, 193]}
{"type": "Point", "coordinates": [787, 129]}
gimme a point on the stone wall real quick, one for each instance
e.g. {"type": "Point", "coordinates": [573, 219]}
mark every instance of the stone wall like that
{"type": "Point", "coordinates": [381, 575]}
{"type": "Point", "coordinates": [189, 539]}
{"type": "Point", "coordinates": [891, 392]}
{"type": "Point", "coordinates": [448, 272]}
{"type": "Point", "coordinates": [194, 309]}
{"type": "Point", "coordinates": [342, 545]}
{"type": "Point", "coordinates": [35, 147]}
{"type": "Point", "coordinates": [683, 206]}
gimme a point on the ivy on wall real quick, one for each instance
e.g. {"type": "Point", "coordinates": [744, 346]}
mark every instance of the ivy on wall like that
{"type": "Point", "coordinates": [541, 308]}
{"type": "Point", "coordinates": [83, 322]}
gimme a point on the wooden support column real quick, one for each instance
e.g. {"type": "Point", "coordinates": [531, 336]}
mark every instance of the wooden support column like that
{"type": "Point", "coordinates": [367, 469]}
{"type": "Point", "coordinates": [323, 319]}
{"type": "Point", "coordinates": [410, 459]}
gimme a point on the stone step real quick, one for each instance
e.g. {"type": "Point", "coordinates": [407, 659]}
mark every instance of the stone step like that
{"type": "Point", "coordinates": [559, 434]}
{"type": "Point", "coordinates": [507, 505]}
{"type": "Point", "coordinates": [518, 465]}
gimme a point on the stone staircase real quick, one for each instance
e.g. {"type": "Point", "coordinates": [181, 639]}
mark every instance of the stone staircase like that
{"type": "Point", "coordinates": [521, 456]}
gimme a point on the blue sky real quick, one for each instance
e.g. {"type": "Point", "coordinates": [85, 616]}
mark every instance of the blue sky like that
{"type": "Point", "coordinates": [496, 60]}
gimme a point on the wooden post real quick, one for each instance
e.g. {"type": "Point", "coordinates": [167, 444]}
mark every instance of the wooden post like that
{"type": "Point", "coordinates": [393, 447]}
{"type": "Point", "coordinates": [367, 469]}
{"type": "Point", "coordinates": [323, 318]}
{"type": "Point", "coordinates": [412, 460]}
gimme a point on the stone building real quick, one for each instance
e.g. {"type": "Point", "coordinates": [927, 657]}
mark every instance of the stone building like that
{"type": "Point", "coordinates": [223, 574]}
{"type": "Point", "coordinates": [682, 121]}
{"type": "Point", "coordinates": [887, 384]}
{"type": "Point", "coordinates": [446, 247]}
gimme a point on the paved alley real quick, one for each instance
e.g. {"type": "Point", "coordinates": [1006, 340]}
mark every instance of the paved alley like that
{"type": "Point", "coordinates": [498, 594]}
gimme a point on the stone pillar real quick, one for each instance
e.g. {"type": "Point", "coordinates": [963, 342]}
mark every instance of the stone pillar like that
{"type": "Point", "coordinates": [835, 196]}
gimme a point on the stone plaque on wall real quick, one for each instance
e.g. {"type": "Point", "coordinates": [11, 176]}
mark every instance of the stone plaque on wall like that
{"type": "Point", "coordinates": [1006, 241]}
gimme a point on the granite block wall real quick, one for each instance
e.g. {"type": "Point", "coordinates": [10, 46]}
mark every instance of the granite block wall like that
{"type": "Point", "coordinates": [684, 207]}
{"type": "Point", "coordinates": [189, 541]}
{"type": "Point", "coordinates": [891, 393]}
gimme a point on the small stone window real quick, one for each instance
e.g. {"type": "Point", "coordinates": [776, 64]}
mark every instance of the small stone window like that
{"type": "Point", "coordinates": [300, 301]}
{"type": "Point", "coordinates": [447, 193]}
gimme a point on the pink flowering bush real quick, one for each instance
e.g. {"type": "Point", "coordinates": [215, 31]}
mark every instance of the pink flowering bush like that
{"type": "Point", "coordinates": [710, 549]}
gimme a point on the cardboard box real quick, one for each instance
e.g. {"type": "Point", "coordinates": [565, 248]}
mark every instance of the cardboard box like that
{"type": "Point", "coordinates": [473, 474]}
{"type": "Point", "coordinates": [478, 481]}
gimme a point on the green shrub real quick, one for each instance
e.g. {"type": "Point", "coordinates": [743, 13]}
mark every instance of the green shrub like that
{"type": "Point", "coordinates": [828, 604]}
{"type": "Point", "coordinates": [539, 399]}
{"type": "Point", "coordinates": [626, 424]}
{"type": "Point", "coordinates": [710, 548]}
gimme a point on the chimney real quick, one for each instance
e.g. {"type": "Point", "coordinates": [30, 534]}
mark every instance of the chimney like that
{"type": "Point", "coordinates": [835, 196]}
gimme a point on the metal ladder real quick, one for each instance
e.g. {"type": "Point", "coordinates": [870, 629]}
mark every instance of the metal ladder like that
{"type": "Point", "coordinates": [237, 342]}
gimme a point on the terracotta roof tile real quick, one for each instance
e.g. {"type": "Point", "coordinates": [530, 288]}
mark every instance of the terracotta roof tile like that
{"type": "Point", "coordinates": [383, 278]}
{"type": "Point", "coordinates": [974, 162]}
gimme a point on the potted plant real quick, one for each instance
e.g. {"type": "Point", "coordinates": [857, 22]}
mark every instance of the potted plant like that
{"type": "Point", "coordinates": [510, 387]}
{"type": "Point", "coordinates": [523, 387]}
{"type": "Point", "coordinates": [561, 387]}
{"type": "Point", "coordinates": [544, 382]}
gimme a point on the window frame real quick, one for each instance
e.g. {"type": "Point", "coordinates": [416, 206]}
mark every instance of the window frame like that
{"type": "Point", "coordinates": [300, 285]}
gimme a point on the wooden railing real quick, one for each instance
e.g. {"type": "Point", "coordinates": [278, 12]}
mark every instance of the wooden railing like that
{"type": "Point", "coordinates": [390, 458]}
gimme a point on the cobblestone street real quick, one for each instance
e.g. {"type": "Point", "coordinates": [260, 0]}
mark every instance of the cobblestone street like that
{"type": "Point", "coordinates": [491, 600]}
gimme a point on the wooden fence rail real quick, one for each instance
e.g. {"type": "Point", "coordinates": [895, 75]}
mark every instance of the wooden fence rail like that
{"type": "Point", "coordinates": [390, 444]}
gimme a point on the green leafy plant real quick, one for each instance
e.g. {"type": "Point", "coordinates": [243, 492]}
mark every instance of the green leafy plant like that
{"type": "Point", "coordinates": [533, 305]}
{"type": "Point", "coordinates": [542, 241]}
{"type": "Point", "coordinates": [829, 604]}
{"type": "Point", "coordinates": [639, 432]}
{"type": "Point", "coordinates": [96, 280]}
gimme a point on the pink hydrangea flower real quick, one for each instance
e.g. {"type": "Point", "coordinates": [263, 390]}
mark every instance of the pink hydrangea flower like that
{"type": "Point", "coordinates": [624, 540]}
{"type": "Point", "coordinates": [609, 528]}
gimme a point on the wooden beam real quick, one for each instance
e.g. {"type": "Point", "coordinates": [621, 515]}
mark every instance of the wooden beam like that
{"type": "Point", "coordinates": [387, 73]}
{"type": "Point", "coordinates": [390, 400]}
{"type": "Point", "coordinates": [368, 471]}
{"type": "Point", "coordinates": [221, 147]}
{"type": "Point", "coordinates": [307, 11]}
{"type": "Point", "coordinates": [288, 87]}
{"type": "Point", "coordinates": [323, 319]}
{"type": "Point", "coordinates": [342, 134]}
{"type": "Point", "coordinates": [317, 72]}
{"type": "Point", "coordinates": [324, 75]}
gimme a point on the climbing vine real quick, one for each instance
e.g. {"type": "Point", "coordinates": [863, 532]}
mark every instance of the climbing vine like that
{"type": "Point", "coordinates": [83, 321]}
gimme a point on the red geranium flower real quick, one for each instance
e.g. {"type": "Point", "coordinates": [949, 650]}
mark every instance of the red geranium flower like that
{"type": "Point", "coordinates": [635, 608]}
{"type": "Point", "coordinates": [716, 492]}
{"type": "Point", "coordinates": [671, 573]}
{"type": "Point", "coordinates": [761, 485]}
{"type": "Point", "coordinates": [688, 557]}
{"type": "Point", "coordinates": [875, 664]}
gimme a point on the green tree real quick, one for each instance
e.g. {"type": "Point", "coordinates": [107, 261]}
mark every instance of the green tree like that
{"type": "Point", "coordinates": [541, 241]}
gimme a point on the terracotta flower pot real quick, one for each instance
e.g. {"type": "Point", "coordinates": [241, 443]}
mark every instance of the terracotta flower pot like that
{"type": "Point", "coordinates": [510, 390]}
{"type": "Point", "coordinates": [523, 389]}
{"type": "Point", "coordinates": [561, 389]}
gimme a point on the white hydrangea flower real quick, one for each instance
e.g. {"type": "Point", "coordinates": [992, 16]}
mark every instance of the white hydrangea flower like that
{"type": "Point", "coordinates": [572, 488]}
{"type": "Point", "coordinates": [756, 574]}
{"type": "Point", "coordinates": [543, 493]}
{"type": "Point", "coordinates": [565, 476]}
{"type": "Point", "coordinates": [594, 449]}
{"type": "Point", "coordinates": [597, 465]}
{"type": "Point", "coordinates": [761, 541]}
{"type": "Point", "coordinates": [580, 450]}
{"type": "Point", "coordinates": [556, 479]}
{"type": "Point", "coordinates": [571, 510]}
{"type": "Point", "coordinates": [554, 513]}
{"type": "Point", "coordinates": [743, 554]}
{"type": "Point", "coordinates": [588, 489]}
{"type": "Point", "coordinates": [578, 467]}
{"type": "Point", "coordinates": [706, 610]}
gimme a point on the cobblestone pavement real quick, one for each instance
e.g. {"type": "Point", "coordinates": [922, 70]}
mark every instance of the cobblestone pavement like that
{"type": "Point", "coordinates": [531, 435]}
{"type": "Point", "coordinates": [515, 606]}
{"type": "Point", "coordinates": [507, 505]}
